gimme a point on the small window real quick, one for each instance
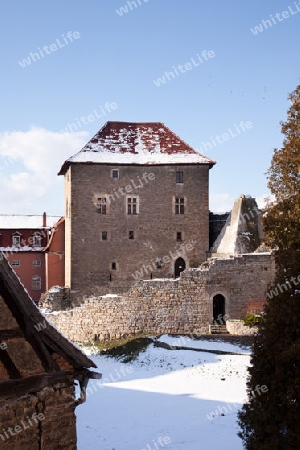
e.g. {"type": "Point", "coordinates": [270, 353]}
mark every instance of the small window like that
{"type": "Point", "coordinates": [102, 205]}
{"type": "Point", "coordinates": [159, 264]}
{"type": "Point", "coordinates": [115, 174]}
{"type": "Point", "coordinates": [15, 263]}
{"type": "Point", "coordinates": [179, 177]}
{"type": "Point", "coordinates": [179, 205]}
{"type": "Point", "coordinates": [36, 283]}
{"type": "Point", "coordinates": [113, 266]}
{"type": "Point", "coordinates": [37, 240]}
{"type": "Point", "coordinates": [131, 235]}
{"type": "Point", "coordinates": [104, 235]}
{"type": "Point", "coordinates": [37, 263]}
{"type": "Point", "coordinates": [132, 205]}
{"type": "Point", "coordinates": [16, 239]}
{"type": "Point", "coordinates": [178, 236]}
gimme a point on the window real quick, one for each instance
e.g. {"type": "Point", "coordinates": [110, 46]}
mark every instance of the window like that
{"type": "Point", "coordinates": [179, 177]}
{"type": "Point", "coordinates": [113, 266]}
{"type": "Point", "coordinates": [37, 240]}
{"type": "Point", "coordinates": [101, 205]}
{"type": "Point", "coordinates": [179, 205]}
{"type": "Point", "coordinates": [131, 235]}
{"type": "Point", "coordinates": [132, 205]}
{"type": "Point", "coordinates": [36, 283]}
{"type": "Point", "coordinates": [15, 263]}
{"type": "Point", "coordinates": [104, 235]}
{"type": "Point", "coordinates": [115, 174]}
{"type": "Point", "coordinates": [178, 236]}
{"type": "Point", "coordinates": [37, 263]}
{"type": "Point", "coordinates": [159, 264]}
{"type": "Point", "coordinates": [16, 239]}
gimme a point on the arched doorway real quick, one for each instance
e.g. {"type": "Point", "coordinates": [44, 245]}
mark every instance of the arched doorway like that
{"type": "Point", "coordinates": [219, 309]}
{"type": "Point", "coordinates": [179, 266]}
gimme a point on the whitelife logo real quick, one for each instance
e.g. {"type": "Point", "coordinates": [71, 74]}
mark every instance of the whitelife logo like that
{"type": "Point", "coordinates": [279, 17]}
{"type": "Point", "coordinates": [48, 49]}
{"type": "Point", "coordinates": [124, 9]}
{"type": "Point", "coordinates": [195, 62]}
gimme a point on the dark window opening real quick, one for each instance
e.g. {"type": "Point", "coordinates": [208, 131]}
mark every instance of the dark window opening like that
{"type": "Point", "coordinates": [113, 266]}
{"type": "Point", "coordinates": [115, 174]}
{"type": "Point", "coordinates": [219, 309]}
{"type": "Point", "coordinates": [16, 239]}
{"type": "Point", "coordinates": [104, 235]}
{"type": "Point", "coordinates": [179, 205]}
{"type": "Point", "coordinates": [101, 205]}
{"type": "Point", "coordinates": [179, 177]}
{"type": "Point", "coordinates": [179, 266]}
{"type": "Point", "coordinates": [178, 236]}
{"type": "Point", "coordinates": [159, 264]}
{"type": "Point", "coordinates": [132, 205]}
{"type": "Point", "coordinates": [131, 235]}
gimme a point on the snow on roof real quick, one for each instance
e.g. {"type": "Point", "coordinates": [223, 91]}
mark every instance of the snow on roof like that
{"type": "Point", "coordinates": [136, 143]}
{"type": "Point", "coordinates": [16, 221]}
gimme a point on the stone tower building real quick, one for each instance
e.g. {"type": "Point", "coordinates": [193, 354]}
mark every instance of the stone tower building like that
{"type": "Point", "coordinates": [136, 207]}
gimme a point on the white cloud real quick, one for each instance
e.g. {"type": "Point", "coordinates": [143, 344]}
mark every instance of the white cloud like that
{"type": "Point", "coordinates": [29, 163]}
{"type": "Point", "coordinates": [220, 203]}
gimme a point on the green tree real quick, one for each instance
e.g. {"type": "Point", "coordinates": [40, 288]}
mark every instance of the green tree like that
{"type": "Point", "coordinates": [271, 420]}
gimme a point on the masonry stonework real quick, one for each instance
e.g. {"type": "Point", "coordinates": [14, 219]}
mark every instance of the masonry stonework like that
{"type": "Point", "coordinates": [183, 306]}
{"type": "Point", "coordinates": [37, 422]}
{"type": "Point", "coordinates": [90, 258]}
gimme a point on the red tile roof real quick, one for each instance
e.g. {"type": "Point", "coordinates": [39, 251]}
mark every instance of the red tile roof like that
{"type": "Point", "coordinates": [136, 143]}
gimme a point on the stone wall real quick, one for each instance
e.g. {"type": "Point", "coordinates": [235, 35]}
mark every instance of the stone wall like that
{"type": "Point", "coordinates": [93, 262]}
{"type": "Point", "coordinates": [238, 328]}
{"type": "Point", "coordinates": [42, 421]}
{"type": "Point", "coordinates": [183, 305]}
{"type": "Point", "coordinates": [57, 298]}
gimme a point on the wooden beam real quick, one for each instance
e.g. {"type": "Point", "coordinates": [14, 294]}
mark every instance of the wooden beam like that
{"type": "Point", "coordinates": [11, 297]}
{"type": "Point", "coordinates": [33, 384]}
{"type": "Point", "coordinates": [11, 334]}
{"type": "Point", "coordinates": [9, 365]}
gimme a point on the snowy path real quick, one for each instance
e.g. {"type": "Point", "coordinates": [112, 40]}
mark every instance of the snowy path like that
{"type": "Point", "coordinates": [165, 399]}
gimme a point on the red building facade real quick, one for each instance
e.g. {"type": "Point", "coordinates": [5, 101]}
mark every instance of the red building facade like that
{"type": "Point", "coordinates": [55, 256]}
{"type": "Point", "coordinates": [23, 240]}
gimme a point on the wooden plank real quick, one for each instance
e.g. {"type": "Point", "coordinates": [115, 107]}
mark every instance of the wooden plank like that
{"type": "Point", "coordinates": [33, 384]}
{"type": "Point", "coordinates": [11, 298]}
{"type": "Point", "coordinates": [9, 365]}
{"type": "Point", "coordinates": [28, 315]}
{"type": "Point", "coordinates": [11, 334]}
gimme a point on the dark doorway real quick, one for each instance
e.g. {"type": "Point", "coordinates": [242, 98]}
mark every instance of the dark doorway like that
{"type": "Point", "coordinates": [219, 309]}
{"type": "Point", "coordinates": [179, 267]}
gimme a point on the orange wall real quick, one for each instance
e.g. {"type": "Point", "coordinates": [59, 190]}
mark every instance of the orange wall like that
{"type": "Point", "coordinates": [26, 270]}
{"type": "Point", "coordinates": [55, 257]}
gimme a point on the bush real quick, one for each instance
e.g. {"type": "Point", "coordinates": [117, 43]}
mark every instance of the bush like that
{"type": "Point", "coordinates": [252, 319]}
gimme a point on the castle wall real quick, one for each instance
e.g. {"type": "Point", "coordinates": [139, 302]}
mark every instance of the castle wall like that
{"type": "Point", "coordinates": [95, 265]}
{"type": "Point", "coordinates": [183, 306]}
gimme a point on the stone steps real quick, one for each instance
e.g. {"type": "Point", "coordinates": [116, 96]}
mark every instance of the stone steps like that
{"type": "Point", "coordinates": [218, 329]}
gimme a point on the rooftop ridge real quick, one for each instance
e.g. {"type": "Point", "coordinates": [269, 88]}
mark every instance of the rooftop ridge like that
{"type": "Point", "coordinates": [142, 143]}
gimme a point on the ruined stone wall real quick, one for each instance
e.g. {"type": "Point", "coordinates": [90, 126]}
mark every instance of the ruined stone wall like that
{"type": "Point", "coordinates": [57, 298]}
{"type": "Point", "coordinates": [41, 421]}
{"type": "Point", "coordinates": [184, 305]}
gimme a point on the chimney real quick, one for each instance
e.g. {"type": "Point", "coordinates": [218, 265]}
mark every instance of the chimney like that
{"type": "Point", "coordinates": [44, 220]}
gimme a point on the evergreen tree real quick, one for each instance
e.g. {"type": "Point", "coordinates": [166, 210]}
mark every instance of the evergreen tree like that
{"type": "Point", "coordinates": [271, 420]}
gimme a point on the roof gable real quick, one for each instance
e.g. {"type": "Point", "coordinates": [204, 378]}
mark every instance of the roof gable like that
{"type": "Point", "coordinates": [144, 143]}
{"type": "Point", "coordinates": [25, 319]}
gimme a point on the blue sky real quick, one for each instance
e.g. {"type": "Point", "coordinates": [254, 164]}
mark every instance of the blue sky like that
{"type": "Point", "coordinates": [113, 58]}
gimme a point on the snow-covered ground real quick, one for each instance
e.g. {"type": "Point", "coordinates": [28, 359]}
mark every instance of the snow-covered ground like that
{"type": "Point", "coordinates": [166, 399]}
